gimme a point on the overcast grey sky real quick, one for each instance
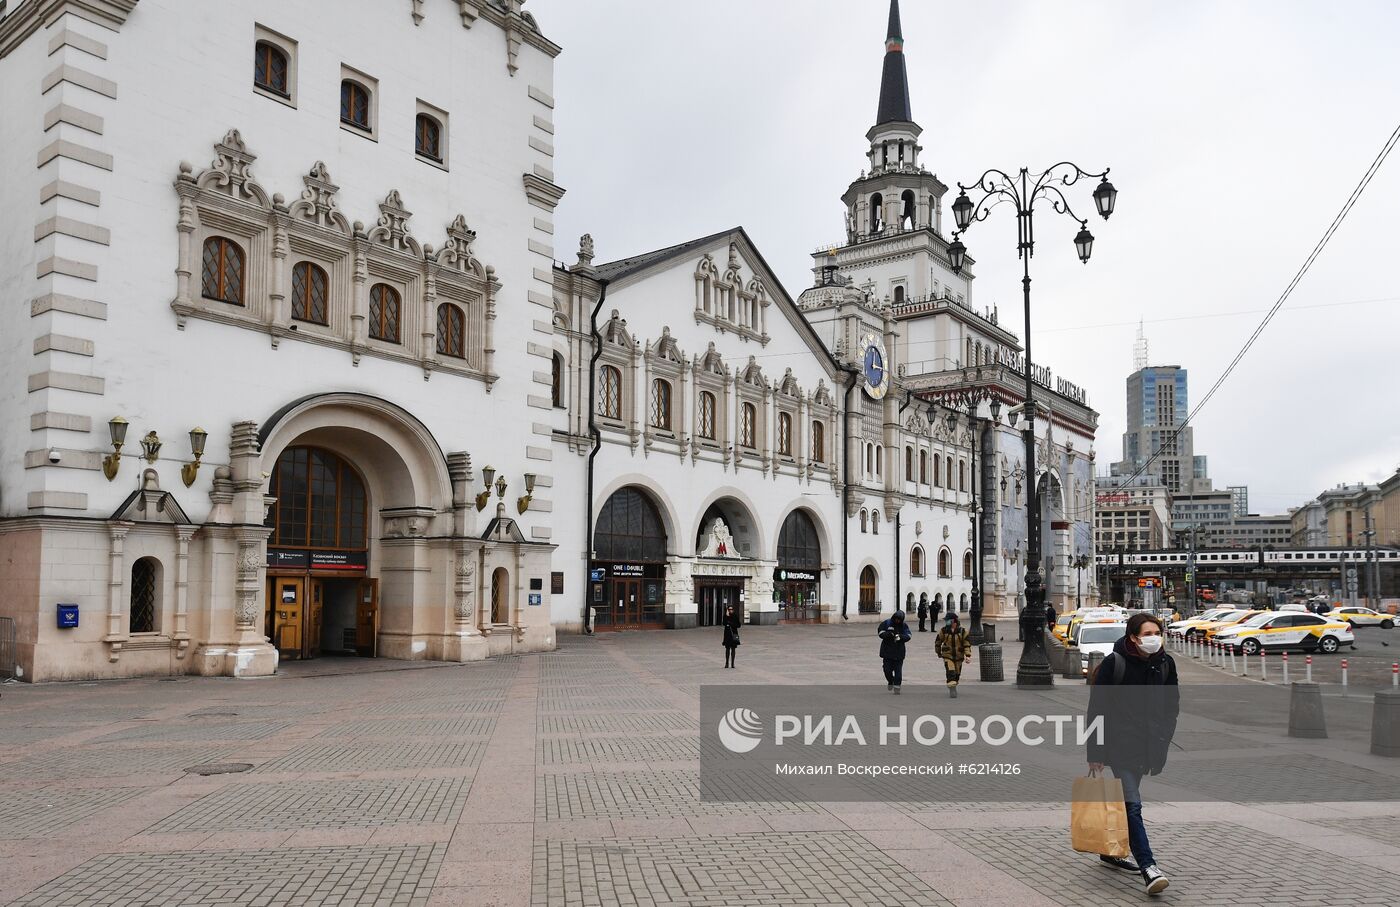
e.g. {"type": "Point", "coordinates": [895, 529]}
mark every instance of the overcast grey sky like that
{"type": "Point", "coordinates": [1235, 130]}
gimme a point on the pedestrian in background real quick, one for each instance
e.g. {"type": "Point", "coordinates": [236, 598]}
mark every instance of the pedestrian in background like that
{"type": "Point", "coordinates": [731, 635]}
{"type": "Point", "coordinates": [894, 633]}
{"type": "Point", "coordinates": [923, 614]}
{"type": "Point", "coordinates": [953, 646]}
{"type": "Point", "coordinates": [1050, 617]}
{"type": "Point", "coordinates": [1138, 728]}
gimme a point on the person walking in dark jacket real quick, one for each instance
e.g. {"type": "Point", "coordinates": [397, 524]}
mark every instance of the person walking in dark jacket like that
{"type": "Point", "coordinates": [923, 614]}
{"type": "Point", "coordinates": [953, 646]}
{"type": "Point", "coordinates": [1136, 693]}
{"type": "Point", "coordinates": [1050, 617]}
{"type": "Point", "coordinates": [731, 635]}
{"type": "Point", "coordinates": [894, 633]}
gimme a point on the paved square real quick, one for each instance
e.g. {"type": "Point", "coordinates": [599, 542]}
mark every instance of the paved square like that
{"type": "Point", "coordinates": [571, 780]}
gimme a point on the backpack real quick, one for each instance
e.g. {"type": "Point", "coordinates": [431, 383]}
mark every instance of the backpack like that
{"type": "Point", "coordinates": [1120, 668]}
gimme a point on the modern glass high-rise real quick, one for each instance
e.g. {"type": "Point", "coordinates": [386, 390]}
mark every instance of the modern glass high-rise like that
{"type": "Point", "coordinates": [1157, 410]}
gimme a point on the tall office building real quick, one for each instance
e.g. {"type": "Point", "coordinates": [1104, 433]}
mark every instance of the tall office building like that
{"type": "Point", "coordinates": [1157, 410]}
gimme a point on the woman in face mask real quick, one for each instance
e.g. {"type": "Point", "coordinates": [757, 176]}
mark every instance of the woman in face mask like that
{"type": "Point", "coordinates": [1135, 691]}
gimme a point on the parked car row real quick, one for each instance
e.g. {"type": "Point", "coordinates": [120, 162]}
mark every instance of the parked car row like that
{"type": "Point", "coordinates": [1251, 632]}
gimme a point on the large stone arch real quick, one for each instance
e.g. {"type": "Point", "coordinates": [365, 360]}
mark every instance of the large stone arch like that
{"type": "Point", "coordinates": [675, 539]}
{"type": "Point", "coordinates": [737, 508]}
{"type": "Point", "coordinates": [818, 520]}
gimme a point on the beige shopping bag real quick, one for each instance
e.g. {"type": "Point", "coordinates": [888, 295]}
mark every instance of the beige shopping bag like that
{"type": "Point", "coordinates": [1098, 820]}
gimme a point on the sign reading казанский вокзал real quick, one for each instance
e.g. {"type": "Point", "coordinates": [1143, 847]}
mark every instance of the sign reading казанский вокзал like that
{"type": "Point", "coordinates": [800, 743]}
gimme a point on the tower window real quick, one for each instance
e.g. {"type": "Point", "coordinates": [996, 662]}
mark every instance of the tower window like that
{"type": "Point", "coordinates": [427, 138]}
{"type": "Point", "coordinates": [354, 104]}
{"type": "Point", "coordinates": [877, 212]}
{"type": "Point", "coordinates": [270, 69]}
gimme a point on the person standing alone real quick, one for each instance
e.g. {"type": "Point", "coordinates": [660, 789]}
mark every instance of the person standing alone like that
{"type": "Point", "coordinates": [923, 615]}
{"type": "Point", "coordinates": [731, 635]}
{"type": "Point", "coordinates": [894, 633]}
{"type": "Point", "coordinates": [1138, 726]}
{"type": "Point", "coordinates": [953, 646]}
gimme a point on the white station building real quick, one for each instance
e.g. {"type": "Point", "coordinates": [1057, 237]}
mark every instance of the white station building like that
{"type": "Point", "coordinates": [297, 374]}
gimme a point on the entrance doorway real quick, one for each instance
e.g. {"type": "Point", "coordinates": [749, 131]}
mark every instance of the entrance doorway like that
{"type": "Point", "coordinates": [308, 616]}
{"type": "Point", "coordinates": [868, 604]}
{"type": "Point", "coordinates": [710, 601]}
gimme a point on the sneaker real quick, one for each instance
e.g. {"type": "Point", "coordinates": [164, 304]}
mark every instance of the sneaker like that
{"type": "Point", "coordinates": [1153, 878]}
{"type": "Point", "coordinates": [952, 691]}
{"type": "Point", "coordinates": [896, 691]}
{"type": "Point", "coordinates": [889, 686]}
{"type": "Point", "coordinates": [1119, 863]}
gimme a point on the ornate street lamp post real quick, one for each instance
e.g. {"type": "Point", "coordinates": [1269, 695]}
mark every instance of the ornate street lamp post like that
{"type": "Point", "coordinates": [1023, 191]}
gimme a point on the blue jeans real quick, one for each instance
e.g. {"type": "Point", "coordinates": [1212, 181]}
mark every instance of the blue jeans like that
{"type": "Point", "coordinates": [894, 671]}
{"type": "Point", "coordinates": [1132, 799]}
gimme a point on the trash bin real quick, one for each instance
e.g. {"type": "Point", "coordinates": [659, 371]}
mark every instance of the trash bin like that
{"type": "Point", "coordinates": [989, 632]}
{"type": "Point", "coordinates": [990, 665]}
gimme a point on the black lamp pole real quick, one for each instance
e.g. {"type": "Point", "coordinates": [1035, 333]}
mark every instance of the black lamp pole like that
{"type": "Point", "coordinates": [1024, 190]}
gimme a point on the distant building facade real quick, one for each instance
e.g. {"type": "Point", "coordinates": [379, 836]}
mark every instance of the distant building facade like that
{"type": "Point", "coordinates": [1133, 514]}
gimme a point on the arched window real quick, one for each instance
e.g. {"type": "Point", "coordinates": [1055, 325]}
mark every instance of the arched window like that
{"type": "Point", "coordinates": [556, 379]}
{"type": "Point", "coordinates": [879, 455]}
{"type": "Point", "coordinates": [310, 289]}
{"type": "Point", "coordinates": [948, 470]}
{"type": "Point", "coordinates": [869, 458]}
{"type": "Point", "coordinates": [962, 602]}
{"type": "Point", "coordinates": [937, 471]}
{"type": "Point", "coordinates": [899, 295]}
{"type": "Point", "coordinates": [500, 596]}
{"type": "Point", "coordinates": [610, 392]}
{"type": "Point", "coordinates": [384, 309]}
{"type": "Point", "coordinates": [962, 475]}
{"type": "Point", "coordinates": [785, 434]}
{"type": "Point", "coordinates": [818, 442]}
{"type": "Point", "coordinates": [145, 595]}
{"type": "Point", "coordinates": [321, 502]}
{"type": "Point", "coordinates": [945, 562]}
{"type": "Point", "coordinates": [707, 415]}
{"type": "Point", "coordinates": [222, 274]}
{"type": "Point", "coordinates": [875, 522]}
{"type": "Point", "coordinates": [270, 68]}
{"type": "Point", "coordinates": [427, 137]}
{"type": "Point", "coordinates": [798, 544]}
{"type": "Point", "coordinates": [909, 603]}
{"type": "Point", "coordinates": [451, 331]}
{"type": "Point", "coordinates": [908, 464]}
{"type": "Point", "coordinates": [877, 212]}
{"type": "Point", "coordinates": [661, 404]}
{"type": "Point", "coordinates": [629, 529]}
{"type": "Point", "coordinates": [909, 216]}
{"type": "Point", "coordinates": [354, 104]}
{"type": "Point", "coordinates": [864, 521]}
{"type": "Point", "coordinates": [916, 561]}
{"type": "Point", "coordinates": [923, 467]}
{"type": "Point", "coordinates": [748, 426]}
{"type": "Point", "coordinates": [868, 604]}
{"type": "Point", "coordinates": [967, 564]}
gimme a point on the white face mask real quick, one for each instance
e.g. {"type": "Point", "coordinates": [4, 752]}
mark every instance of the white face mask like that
{"type": "Point", "coordinates": [1149, 645]}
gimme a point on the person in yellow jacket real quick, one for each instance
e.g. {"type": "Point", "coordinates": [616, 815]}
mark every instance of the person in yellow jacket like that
{"type": "Point", "coordinates": [953, 647]}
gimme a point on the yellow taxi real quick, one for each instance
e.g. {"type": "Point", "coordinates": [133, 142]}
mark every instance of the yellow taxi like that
{"type": "Point", "coordinates": [1226, 620]}
{"type": "Point", "coordinates": [1358, 616]}
{"type": "Point", "coordinates": [1062, 626]}
{"type": "Point", "coordinates": [1187, 626]}
{"type": "Point", "coordinates": [1282, 630]}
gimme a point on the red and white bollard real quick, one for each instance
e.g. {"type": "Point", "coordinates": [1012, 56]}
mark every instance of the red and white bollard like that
{"type": "Point", "coordinates": [1285, 669]}
{"type": "Point", "coordinates": [1232, 657]}
{"type": "Point", "coordinates": [1309, 669]}
{"type": "Point", "coordinates": [1263, 666]}
{"type": "Point", "coordinates": [1245, 657]}
{"type": "Point", "coordinates": [1344, 676]}
{"type": "Point", "coordinates": [1395, 674]}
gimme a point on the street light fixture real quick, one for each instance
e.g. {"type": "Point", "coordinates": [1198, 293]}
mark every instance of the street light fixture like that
{"type": "Point", "coordinates": [1024, 190]}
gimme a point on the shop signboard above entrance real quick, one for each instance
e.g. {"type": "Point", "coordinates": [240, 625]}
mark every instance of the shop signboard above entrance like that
{"type": "Point", "coordinates": [784, 575]}
{"type": "Point", "coordinates": [627, 570]}
{"type": "Point", "coordinates": [304, 559]}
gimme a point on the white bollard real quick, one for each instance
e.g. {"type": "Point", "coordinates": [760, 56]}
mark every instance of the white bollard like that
{"type": "Point", "coordinates": [1263, 667]}
{"type": "Point", "coordinates": [1309, 669]}
{"type": "Point", "coordinates": [1232, 657]}
{"type": "Point", "coordinates": [1285, 669]}
{"type": "Point", "coordinates": [1395, 674]}
{"type": "Point", "coordinates": [1244, 656]}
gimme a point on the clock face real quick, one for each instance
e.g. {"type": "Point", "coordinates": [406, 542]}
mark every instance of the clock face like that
{"type": "Point", "coordinates": [874, 366]}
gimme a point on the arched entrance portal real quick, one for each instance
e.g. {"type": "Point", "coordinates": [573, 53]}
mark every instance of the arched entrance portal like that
{"type": "Point", "coordinates": [320, 597]}
{"type": "Point", "coordinates": [798, 576]}
{"type": "Point", "coordinates": [727, 547]}
{"type": "Point", "coordinates": [628, 570]}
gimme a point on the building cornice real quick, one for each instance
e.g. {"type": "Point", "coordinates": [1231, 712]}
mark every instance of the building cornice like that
{"type": "Point", "coordinates": [31, 15]}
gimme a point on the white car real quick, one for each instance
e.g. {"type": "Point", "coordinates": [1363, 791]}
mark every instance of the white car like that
{"type": "Point", "coordinates": [1361, 617]}
{"type": "Point", "coordinates": [1190, 623]}
{"type": "Point", "coordinates": [1098, 638]}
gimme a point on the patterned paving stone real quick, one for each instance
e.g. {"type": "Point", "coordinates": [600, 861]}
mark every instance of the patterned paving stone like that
{"type": "Point", "coordinates": [294, 876]}
{"type": "Point", "coordinates": [412, 727]}
{"type": "Point", "coordinates": [321, 804]}
{"type": "Point", "coordinates": [1202, 871]}
{"type": "Point", "coordinates": [111, 761]}
{"type": "Point", "coordinates": [641, 795]}
{"type": "Point", "coordinates": [434, 706]}
{"type": "Point", "coordinates": [197, 730]}
{"type": "Point", "coordinates": [31, 813]}
{"type": "Point", "coordinates": [354, 757]}
{"type": "Point", "coordinates": [665, 720]}
{"type": "Point", "coordinates": [1381, 828]}
{"type": "Point", "coordinates": [555, 751]}
{"type": "Point", "coordinates": [742, 869]}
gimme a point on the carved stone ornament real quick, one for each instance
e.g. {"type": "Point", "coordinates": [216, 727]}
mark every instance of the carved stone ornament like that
{"type": "Point", "coordinates": [231, 166]}
{"type": "Point", "coordinates": [718, 541]}
{"type": "Point", "coordinates": [585, 250]}
{"type": "Point", "coordinates": [247, 611]}
{"type": "Point", "coordinates": [249, 559]}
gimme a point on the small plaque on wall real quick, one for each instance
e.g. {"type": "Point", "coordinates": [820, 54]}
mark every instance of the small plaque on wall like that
{"type": "Point", "coordinates": [556, 583]}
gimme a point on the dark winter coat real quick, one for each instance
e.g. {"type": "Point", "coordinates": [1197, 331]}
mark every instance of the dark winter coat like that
{"type": "Point", "coordinates": [731, 625]}
{"type": "Point", "coordinates": [893, 635]}
{"type": "Point", "coordinates": [1138, 723]}
{"type": "Point", "coordinates": [923, 610]}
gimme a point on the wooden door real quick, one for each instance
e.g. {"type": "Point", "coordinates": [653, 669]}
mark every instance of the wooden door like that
{"type": "Point", "coordinates": [287, 608]}
{"type": "Point", "coordinates": [311, 643]}
{"type": "Point", "coordinates": [627, 596]}
{"type": "Point", "coordinates": [367, 618]}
